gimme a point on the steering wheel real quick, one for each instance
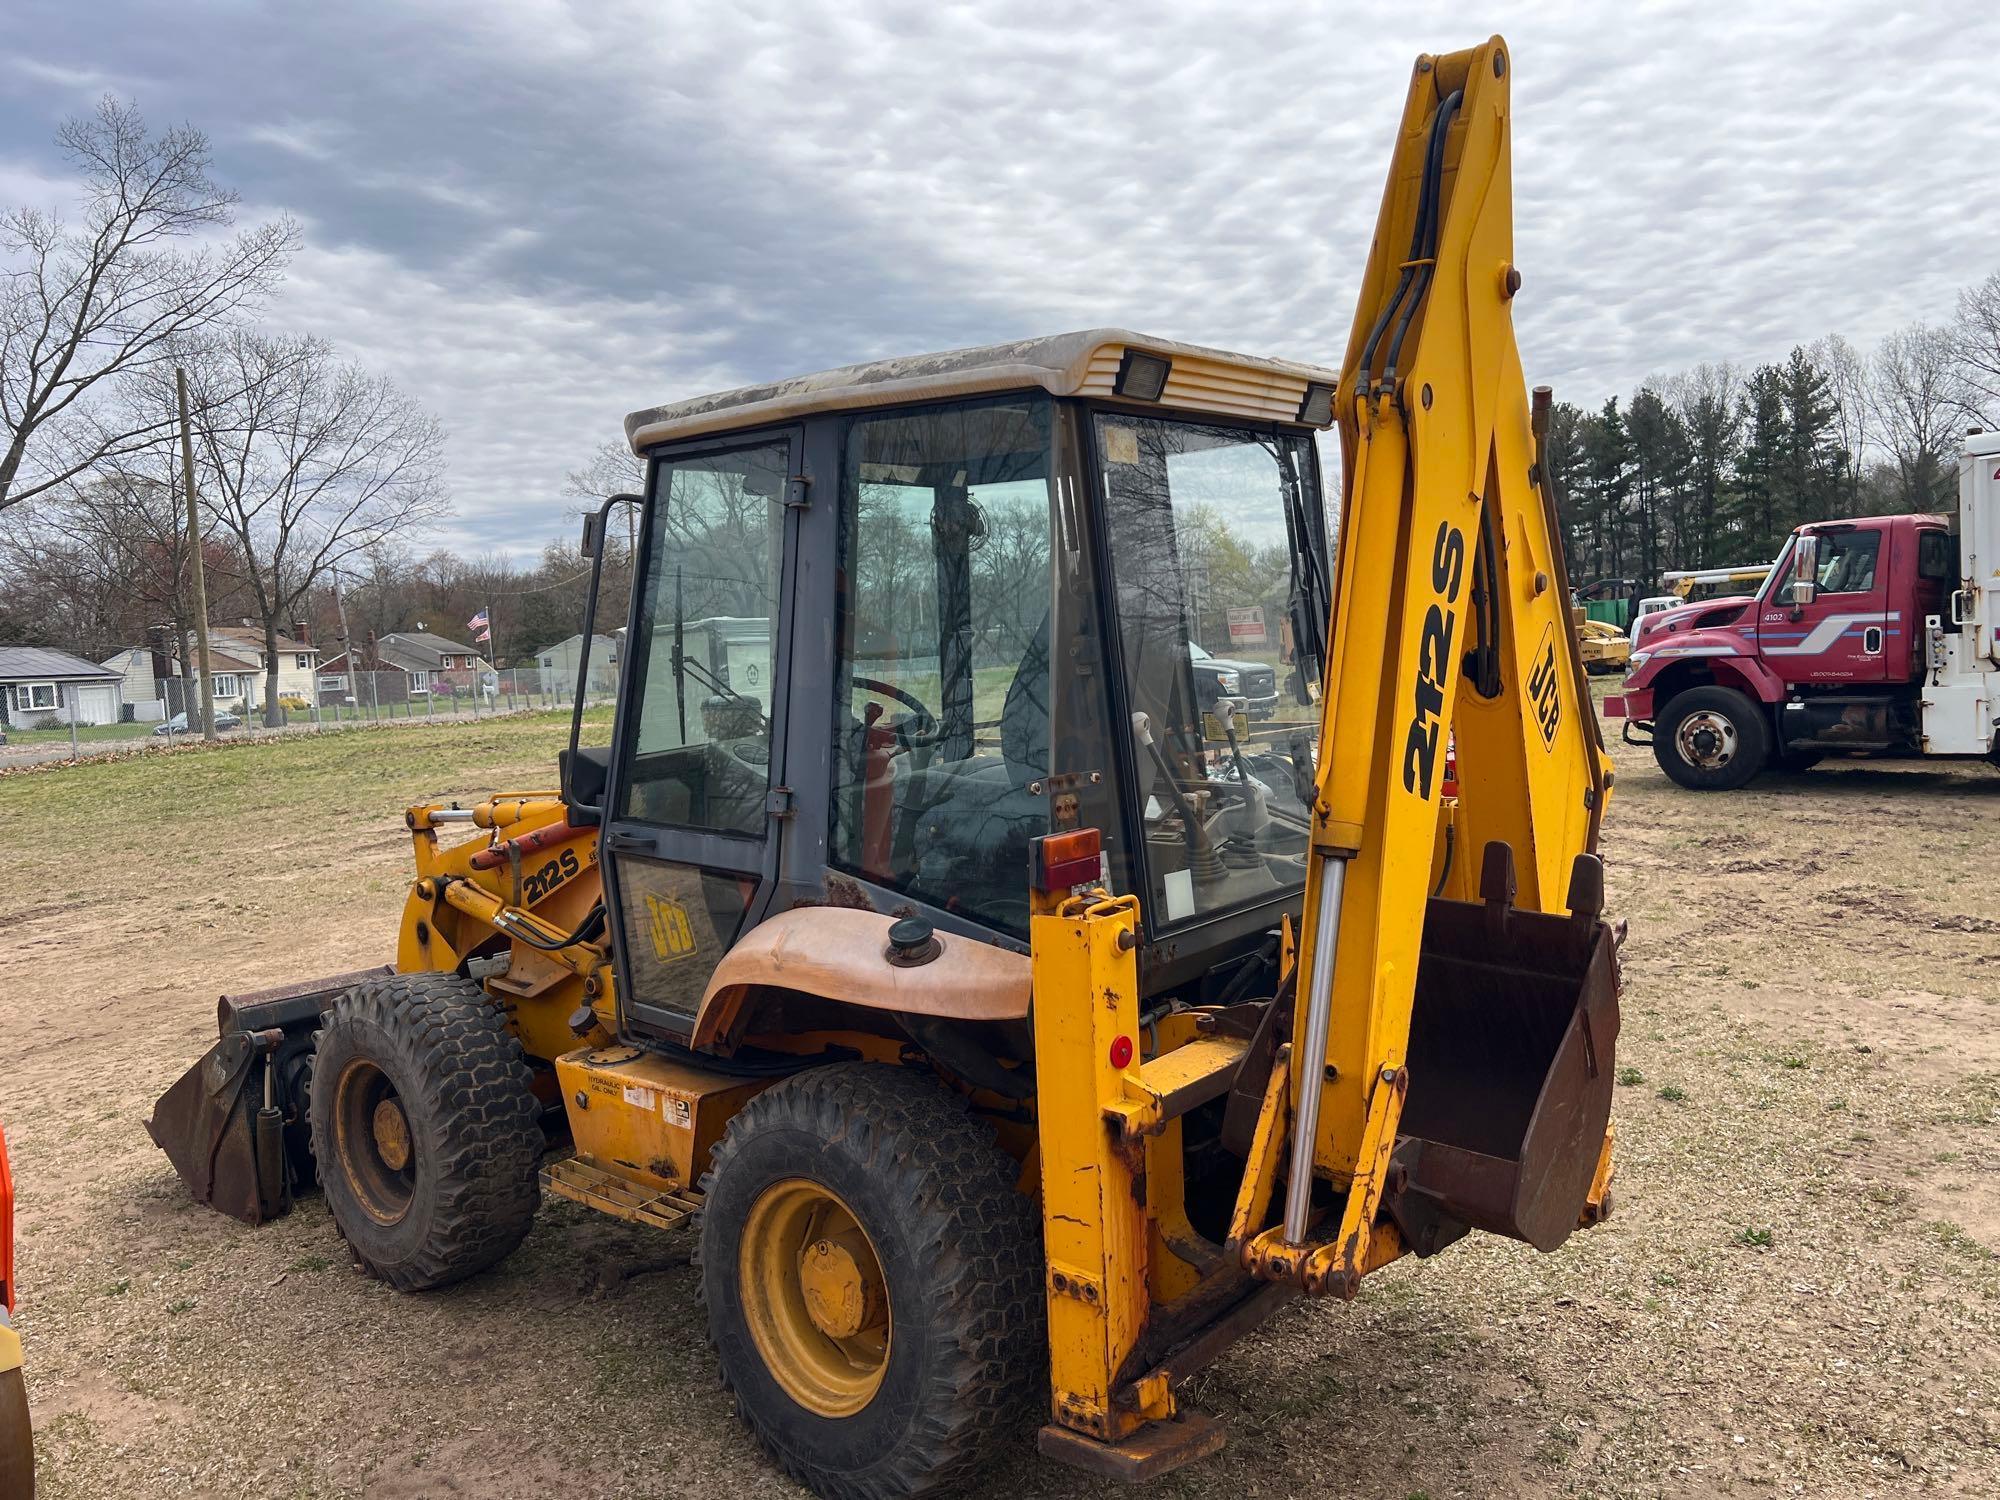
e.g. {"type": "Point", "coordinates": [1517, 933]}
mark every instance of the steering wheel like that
{"type": "Point", "coordinates": [923, 728]}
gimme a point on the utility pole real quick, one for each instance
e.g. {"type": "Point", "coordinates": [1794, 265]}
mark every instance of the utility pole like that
{"type": "Point", "coordinates": [346, 645]}
{"type": "Point", "coordinates": [205, 692]}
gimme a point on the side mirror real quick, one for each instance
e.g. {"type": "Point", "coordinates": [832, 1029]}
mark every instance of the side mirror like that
{"type": "Point", "coordinates": [1805, 571]}
{"type": "Point", "coordinates": [593, 523]}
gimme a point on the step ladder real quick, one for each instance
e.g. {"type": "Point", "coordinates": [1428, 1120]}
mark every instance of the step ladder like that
{"type": "Point", "coordinates": [661, 1207]}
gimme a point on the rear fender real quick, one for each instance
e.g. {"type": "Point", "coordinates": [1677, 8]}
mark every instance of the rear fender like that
{"type": "Point", "coordinates": [841, 954]}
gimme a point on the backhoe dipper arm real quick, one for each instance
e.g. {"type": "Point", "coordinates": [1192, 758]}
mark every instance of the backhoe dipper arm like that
{"type": "Point", "coordinates": [1451, 614]}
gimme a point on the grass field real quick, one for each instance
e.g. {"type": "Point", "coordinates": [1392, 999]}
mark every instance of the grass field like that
{"type": "Point", "coordinates": [1797, 1294]}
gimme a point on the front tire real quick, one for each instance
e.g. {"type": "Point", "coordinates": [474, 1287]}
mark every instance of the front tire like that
{"type": "Point", "coordinates": [873, 1282]}
{"type": "Point", "coordinates": [425, 1129]}
{"type": "Point", "coordinates": [1711, 739]}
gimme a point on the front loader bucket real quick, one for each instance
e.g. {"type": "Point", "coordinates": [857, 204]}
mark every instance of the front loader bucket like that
{"type": "Point", "coordinates": [1510, 1062]}
{"type": "Point", "coordinates": [235, 1155]}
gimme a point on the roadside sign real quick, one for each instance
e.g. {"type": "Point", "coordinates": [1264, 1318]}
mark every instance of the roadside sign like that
{"type": "Point", "coordinates": [1246, 626]}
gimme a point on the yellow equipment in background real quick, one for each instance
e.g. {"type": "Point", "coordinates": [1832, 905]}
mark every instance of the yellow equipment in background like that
{"type": "Point", "coordinates": [1024, 998]}
{"type": "Point", "coordinates": [1605, 647]}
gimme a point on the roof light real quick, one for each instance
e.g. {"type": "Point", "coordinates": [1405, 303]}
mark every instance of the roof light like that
{"type": "Point", "coordinates": [1317, 407]}
{"type": "Point", "coordinates": [1141, 376]}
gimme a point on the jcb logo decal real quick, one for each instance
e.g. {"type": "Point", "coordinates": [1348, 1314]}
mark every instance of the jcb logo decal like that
{"type": "Point", "coordinates": [1543, 696]}
{"type": "Point", "coordinates": [673, 935]}
{"type": "Point", "coordinates": [1420, 744]}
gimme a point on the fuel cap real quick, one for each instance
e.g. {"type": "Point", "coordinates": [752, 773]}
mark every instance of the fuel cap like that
{"type": "Point", "coordinates": [912, 942]}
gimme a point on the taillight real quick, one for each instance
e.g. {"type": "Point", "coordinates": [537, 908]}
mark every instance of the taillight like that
{"type": "Point", "coordinates": [1062, 860]}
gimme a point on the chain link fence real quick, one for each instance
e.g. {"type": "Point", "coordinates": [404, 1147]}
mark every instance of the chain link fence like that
{"type": "Point", "coordinates": [306, 703]}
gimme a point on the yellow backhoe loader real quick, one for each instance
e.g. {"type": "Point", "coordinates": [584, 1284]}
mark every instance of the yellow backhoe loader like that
{"type": "Point", "coordinates": [1023, 994]}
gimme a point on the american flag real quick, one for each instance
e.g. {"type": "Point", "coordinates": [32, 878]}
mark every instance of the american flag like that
{"type": "Point", "coordinates": [480, 626]}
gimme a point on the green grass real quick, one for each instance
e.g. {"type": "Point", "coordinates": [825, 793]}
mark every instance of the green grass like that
{"type": "Point", "coordinates": [1755, 1239]}
{"type": "Point", "coordinates": [155, 805]}
{"type": "Point", "coordinates": [86, 734]}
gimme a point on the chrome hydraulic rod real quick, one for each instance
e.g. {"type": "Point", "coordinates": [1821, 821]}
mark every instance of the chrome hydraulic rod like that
{"type": "Point", "coordinates": [1312, 1055]}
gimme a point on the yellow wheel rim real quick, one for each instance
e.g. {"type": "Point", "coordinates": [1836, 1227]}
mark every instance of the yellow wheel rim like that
{"type": "Point", "coordinates": [814, 1297]}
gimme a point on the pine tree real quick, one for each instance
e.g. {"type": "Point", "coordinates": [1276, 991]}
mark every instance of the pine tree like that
{"type": "Point", "coordinates": [1607, 486]}
{"type": "Point", "coordinates": [1810, 458]}
{"type": "Point", "coordinates": [1659, 449]}
{"type": "Point", "coordinates": [1756, 529]}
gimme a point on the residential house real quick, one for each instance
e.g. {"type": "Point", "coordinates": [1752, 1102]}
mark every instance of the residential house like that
{"type": "Point", "coordinates": [138, 672]}
{"type": "Point", "coordinates": [406, 664]}
{"type": "Point", "coordinates": [41, 684]}
{"type": "Point", "coordinates": [559, 662]}
{"type": "Point", "coordinates": [236, 659]}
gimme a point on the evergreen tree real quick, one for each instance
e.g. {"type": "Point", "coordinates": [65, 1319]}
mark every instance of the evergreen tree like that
{"type": "Point", "coordinates": [1756, 526]}
{"type": "Point", "coordinates": [1659, 451]}
{"type": "Point", "coordinates": [1607, 489]}
{"type": "Point", "coordinates": [1811, 461]}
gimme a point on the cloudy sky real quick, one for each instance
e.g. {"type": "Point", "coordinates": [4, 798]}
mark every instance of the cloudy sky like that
{"type": "Point", "coordinates": [538, 216]}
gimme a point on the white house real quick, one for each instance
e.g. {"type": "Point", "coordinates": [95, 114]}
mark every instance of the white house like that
{"type": "Point", "coordinates": [236, 660]}
{"type": "Point", "coordinates": [41, 684]}
{"type": "Point", "coordinates": [558, 662]}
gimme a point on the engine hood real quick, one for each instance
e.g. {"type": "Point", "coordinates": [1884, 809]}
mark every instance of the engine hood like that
{"type": "Point", "coordinates": [1659, 628]}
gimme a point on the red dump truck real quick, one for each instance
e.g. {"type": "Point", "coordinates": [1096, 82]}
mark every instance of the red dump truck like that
{"type": "Point", "coordinates": [17, 1442]}
{"type": "Point", "coordinates": [1879, 636]}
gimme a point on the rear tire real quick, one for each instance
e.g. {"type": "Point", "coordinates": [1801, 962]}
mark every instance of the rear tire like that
{"type": "Point", "coordinates": [1711, 739]}
{"type": "Point", "coordinates": [894, 1379]}
{"type": "Point", "coordinates": [425, 1129]}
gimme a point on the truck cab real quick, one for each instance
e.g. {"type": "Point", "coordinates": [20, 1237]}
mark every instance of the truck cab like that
{"type": "Point", "coordinates": [1867, 636]}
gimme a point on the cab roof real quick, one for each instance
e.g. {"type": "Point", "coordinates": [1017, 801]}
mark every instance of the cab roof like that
{"type": "Point", "coordinates": [1213, 382]}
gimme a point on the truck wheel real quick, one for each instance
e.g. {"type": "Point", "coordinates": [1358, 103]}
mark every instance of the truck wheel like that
{"type": "Point", "coordinates": [1711, 739]}
{"type": "Point", "coordinates": [425, 1129]}
{"type": "Point", "coordinates": [873, 1282]}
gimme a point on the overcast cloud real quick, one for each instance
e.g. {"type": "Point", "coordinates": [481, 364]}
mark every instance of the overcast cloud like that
{"type": "Point", "coordinates": [538, 216]}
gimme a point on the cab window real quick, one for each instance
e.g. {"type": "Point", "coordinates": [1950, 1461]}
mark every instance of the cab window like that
{"type": "Point", "coordinates": [705, 652]}
{"type": "Point", "coordinates": [1847, 561]}
{"type": "Point", "coordinates": [1936, 556]}
{"type": "Point", "coordinates": [941, 716]}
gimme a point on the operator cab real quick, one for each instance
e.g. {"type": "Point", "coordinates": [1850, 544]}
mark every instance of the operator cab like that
{"type": "Point", "coordinates": [892, 622]}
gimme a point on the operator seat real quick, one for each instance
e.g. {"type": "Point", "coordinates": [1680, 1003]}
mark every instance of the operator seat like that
{"type": "Point", "coordinates": [976, 817]}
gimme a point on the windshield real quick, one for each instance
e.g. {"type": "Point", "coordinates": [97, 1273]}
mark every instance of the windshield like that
{"type": "Point", "coordinates": [1218, 560]}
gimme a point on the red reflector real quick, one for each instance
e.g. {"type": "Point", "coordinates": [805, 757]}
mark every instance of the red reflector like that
{"type": "Point", "coordinates": [1062, 860]}
{"type": "Point", "coordinates": [1121, 1051]}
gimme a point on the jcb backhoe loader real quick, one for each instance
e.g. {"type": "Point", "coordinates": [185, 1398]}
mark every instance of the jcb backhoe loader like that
{"type": "Point", "coordinates": [1019, 1022]}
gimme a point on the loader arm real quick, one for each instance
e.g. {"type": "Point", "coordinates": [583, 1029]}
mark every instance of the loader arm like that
{"type": "Point", "coordinates": [1451, 617]}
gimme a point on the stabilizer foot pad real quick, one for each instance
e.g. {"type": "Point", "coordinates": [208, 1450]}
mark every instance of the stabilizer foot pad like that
{"type": "Point", "coordinates": [1153, 1450]}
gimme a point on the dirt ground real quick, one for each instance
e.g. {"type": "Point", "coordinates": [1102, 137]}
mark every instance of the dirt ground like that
{"type": "Point", "coordinates": [1798, 1294]}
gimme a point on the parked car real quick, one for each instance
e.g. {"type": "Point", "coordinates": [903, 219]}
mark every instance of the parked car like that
{"type": "Point", "coordinates": [1252, 681]}
{"type": "Point", "coordinates": [178, 724]}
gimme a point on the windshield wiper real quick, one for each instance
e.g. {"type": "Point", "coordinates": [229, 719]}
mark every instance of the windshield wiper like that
{"type": "Point", "coordinates": [1310, 602]}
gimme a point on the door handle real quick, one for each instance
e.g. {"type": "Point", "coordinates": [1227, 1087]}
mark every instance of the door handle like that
{"type": "Point", "coordinates": [621, 842]}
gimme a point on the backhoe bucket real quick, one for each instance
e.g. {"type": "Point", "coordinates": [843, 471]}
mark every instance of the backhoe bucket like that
{"type": "Point", "coordinates": [235, 1125]}
{"type": "Point", "coordinates": [1510, 1062]}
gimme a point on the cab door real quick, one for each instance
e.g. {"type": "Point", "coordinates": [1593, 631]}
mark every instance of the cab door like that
{"type": "Point", "coordinates": [1847, 631]}
{"type": "Point", "coordinates": [695, 795]}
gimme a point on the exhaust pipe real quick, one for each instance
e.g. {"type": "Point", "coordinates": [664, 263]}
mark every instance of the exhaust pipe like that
{"type": "Point", "coordinates": [237, 1134]}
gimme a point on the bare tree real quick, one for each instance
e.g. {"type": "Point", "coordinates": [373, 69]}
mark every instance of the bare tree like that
{"type": "Point", "coordinates": [612, 470]}
{"type": "Point", "coordinates": [1976, 335]}
{"type": "Point", "coordinates": [110, 296]}
{"type": "Point", "coordinates": [1918, 397]}
{"type": "Point", "coordinates": [306, 462]}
